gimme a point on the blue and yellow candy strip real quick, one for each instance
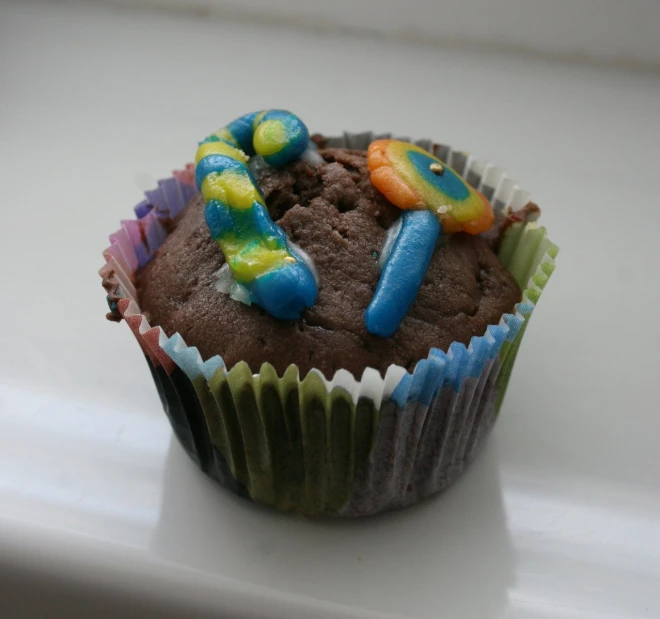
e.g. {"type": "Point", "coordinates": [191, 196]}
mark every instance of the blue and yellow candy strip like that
{"type": "Point", "coordinates": [255, 248]}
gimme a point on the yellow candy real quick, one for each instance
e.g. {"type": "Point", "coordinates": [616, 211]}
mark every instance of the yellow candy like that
{"type": "Point", "coordinates": [230, 187]}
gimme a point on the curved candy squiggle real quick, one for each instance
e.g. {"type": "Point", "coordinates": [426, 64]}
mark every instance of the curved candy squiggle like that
{"type": "Point", "coordinates": [435, 200]}
{"type": "Point", "coordinates": [255, 248]}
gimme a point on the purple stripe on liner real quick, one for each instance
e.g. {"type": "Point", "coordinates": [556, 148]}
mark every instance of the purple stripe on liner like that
{"type": "Point", "coordinates": [188, 192]}
{"type": "Point", "coordinates": [154, 232]}
{"type": "Point", "coordinates": [134, 230]}
{"type": "Point", "coordinates": [172, 191]}
{"type": "Point", "coordinates": [142, 209]}
{"type": "Point", "coordinates": [159, 201]}
{"type": "Point", "coordinates": [143, 235]}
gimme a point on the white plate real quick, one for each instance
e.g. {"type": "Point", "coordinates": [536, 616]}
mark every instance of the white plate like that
{"type": "Point", "coordinates": [102, 515]}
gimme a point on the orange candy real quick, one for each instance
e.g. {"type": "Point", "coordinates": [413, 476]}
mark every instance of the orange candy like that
{"type": "Point", "coordinates": [404, 174]}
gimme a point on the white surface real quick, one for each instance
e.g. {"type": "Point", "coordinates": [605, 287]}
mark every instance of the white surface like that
{"type": "Point", "coordinates": [604, 30]}
{"type": "Point", "coordinates": [560, 517]}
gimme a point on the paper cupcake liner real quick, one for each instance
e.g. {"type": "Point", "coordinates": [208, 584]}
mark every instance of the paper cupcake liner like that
{"type": "Point", "coordinates": [341, 447]}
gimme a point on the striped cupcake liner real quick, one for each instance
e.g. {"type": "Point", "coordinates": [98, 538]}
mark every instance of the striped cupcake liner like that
{"type": "Point", "coordinates": [342, 447]}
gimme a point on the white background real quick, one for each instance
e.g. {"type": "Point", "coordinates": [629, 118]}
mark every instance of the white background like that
{"type": "Point", "coordinates": [102, 515]}
{"type": "Point", "coordinates": [598, 30]}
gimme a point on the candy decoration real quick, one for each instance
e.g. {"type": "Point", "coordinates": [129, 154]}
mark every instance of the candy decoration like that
{"type": "Point", "coordinates": [403, 273]}
{"type": "Point", "coordinates": [435, 199]}
{"type": "Point", "coordinates": [255, 248]}
{"type": "Point", "coordinates": [411, 178]}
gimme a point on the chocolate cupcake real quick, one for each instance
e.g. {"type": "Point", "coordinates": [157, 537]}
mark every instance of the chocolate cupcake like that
{"type": "Point", "coordinates": [331, 323]}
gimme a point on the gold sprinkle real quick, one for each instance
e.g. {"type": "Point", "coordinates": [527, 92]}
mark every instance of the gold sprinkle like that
{"type": "Point", "coordinates": [437, 168]}
{"type": "Point", "coordinates": [289, 260]}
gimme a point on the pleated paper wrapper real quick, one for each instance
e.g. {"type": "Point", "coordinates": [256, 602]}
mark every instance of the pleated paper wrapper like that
{"type": "Point", "coordinates": [341, 447]}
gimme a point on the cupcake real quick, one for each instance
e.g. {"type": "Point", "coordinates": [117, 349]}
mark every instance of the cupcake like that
{"type": "Point", "coordinates": [330, 323]}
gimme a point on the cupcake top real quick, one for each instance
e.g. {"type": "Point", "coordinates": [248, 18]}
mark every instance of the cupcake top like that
{"type": "Point", "coordinates": [323, 219]}
{"type": "Point", "coordinates": [265, 268]}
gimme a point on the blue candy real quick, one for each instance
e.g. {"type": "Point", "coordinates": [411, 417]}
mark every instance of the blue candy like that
{"type": "Point", "coordinates": [403, 272]}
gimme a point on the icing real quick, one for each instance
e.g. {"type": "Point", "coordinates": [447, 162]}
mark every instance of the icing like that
{"type": "Point", "coordinates": [226, 283]}
{"type": "Point", "coordinates": [435, 199]}
{"type": "Point", "coordinates": [390, 237]}
{"type": "Point", "coordinates": [265, 267]}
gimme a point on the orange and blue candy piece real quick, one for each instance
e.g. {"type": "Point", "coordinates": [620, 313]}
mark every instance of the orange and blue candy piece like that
{"type": "Point", "coordinates": [435, 199]}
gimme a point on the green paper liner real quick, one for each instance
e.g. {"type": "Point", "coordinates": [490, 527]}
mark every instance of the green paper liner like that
{"type": "Point", "coordinates": [290, 443]}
